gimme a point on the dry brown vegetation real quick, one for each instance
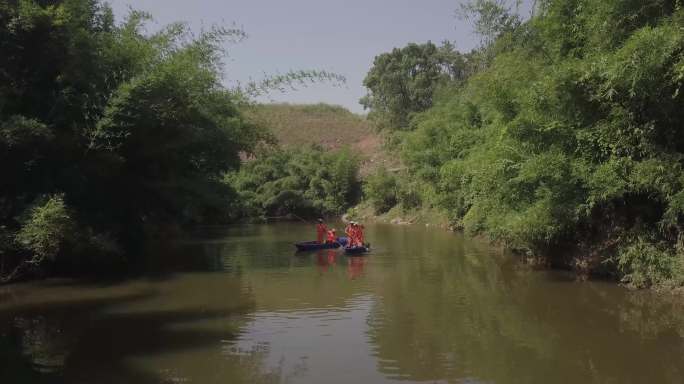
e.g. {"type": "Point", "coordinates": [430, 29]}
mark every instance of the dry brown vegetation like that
{"type": "Point", "coordinates": [330, 126]}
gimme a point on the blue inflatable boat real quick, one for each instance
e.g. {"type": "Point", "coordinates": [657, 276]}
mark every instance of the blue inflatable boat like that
{"type": "Point", "coordinates": [357, 250]}
{"type": "Point", "coordinates": [315, 246]}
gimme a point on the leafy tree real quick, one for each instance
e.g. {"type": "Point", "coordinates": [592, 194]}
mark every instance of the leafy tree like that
{"type": "Point", "coordinates": [566, 143]}
{"type": "Point", "coordinates": [403, 82]}
{"type": "Point", "coordinates": [53, 83]}
{"type": "Point", "coordinates": [304, 182]}
{"type": "Point", "coordinates": [127, 131]}
{"type": "Point", "coordinates": [381, 189]}
{"type": "Point", "coordinates": [172, 131]}
{"type": "Point", "coordinates": [491, 18]}
{"type": "Point", "coordinates": [48, 226]}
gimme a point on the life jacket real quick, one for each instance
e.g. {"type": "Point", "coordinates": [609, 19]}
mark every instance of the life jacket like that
{"type": "Point", "coordinates": [348, 231]}
{"type": "Point", "coordinates": [354, 236]}
{"type": "Point", "coordinates": [331, 237]}
{"type": "Point", "coordinates": [321, 229]}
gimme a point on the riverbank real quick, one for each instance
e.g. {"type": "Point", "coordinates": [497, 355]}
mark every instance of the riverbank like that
{"type": "Point", "coordinates": [592, 258]}
{"type": "Point", "coordinates": [399, 216]}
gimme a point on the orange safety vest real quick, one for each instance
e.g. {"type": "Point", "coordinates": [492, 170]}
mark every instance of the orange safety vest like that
{"type": "Point", "coordinates": [354, 237]}
{"type": "Point", "coordinates": [321, 229]}
{"type": "Point", "coordinates": [348, 232]}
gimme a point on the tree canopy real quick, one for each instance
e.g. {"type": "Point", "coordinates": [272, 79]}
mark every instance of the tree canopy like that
{"type": "Point", "coordinates": [567, 143]}
{"type": "Point", "coordinates": [108, 132]}
{"type": "Point", "coordinates": [403, 82]}
{"type": "Point", "coordinates": [303, 182]}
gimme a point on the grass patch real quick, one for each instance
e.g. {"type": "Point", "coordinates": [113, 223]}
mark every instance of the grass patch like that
{"type": "Point", "coordinates": [294, 125]}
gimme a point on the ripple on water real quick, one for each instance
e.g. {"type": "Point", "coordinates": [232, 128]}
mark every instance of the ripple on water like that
{"type": "Point", "coordinates": [299, 324]}
{"type": "Point", "coordinates": [425, 307]}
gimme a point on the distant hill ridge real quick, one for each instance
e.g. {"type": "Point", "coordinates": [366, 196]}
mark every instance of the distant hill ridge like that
{"type": "Point", "coordinates": [330, 126]}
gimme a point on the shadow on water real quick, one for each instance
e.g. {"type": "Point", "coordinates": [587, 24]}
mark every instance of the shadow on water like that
{"type": "Point", "coordinates": [33, 336]}
{"type": "Point", "coordinates": [179, 311]}
{"type": "Point", "coordinates": [66, 332]}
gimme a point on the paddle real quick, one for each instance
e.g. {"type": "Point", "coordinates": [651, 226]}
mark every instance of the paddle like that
{"type": "Point", "coordinates": [306, 221]}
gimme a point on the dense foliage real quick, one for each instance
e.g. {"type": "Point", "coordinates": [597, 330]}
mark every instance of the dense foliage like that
{"type": "Point", "coordinates": [380, 189]}
{"type": "Point", "coordinates": [302, 182]}
{"type": "Point", "coordinates": [403, 82]}
{"type": "Point", "coordinates": [109, 133]}
{"type": "Point", "coordinates": [107, 130]}
{"type": "Point", "coordinates": [569, 142]}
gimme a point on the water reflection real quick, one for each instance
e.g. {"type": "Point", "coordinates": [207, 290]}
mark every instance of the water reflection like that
{"type": "Point", "coordinates": [235, 305]}
{"type": "Point", "coordinates": [90, 334]}
{"type": "Point", "coordinates": [326, 259]}
{"type": "Point", "coordinates": [450, 317]}
{"type": "Point", "coordinates": [355, 266]}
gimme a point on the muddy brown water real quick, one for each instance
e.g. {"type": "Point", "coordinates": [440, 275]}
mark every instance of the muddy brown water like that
{"type": "Point", "coordinates": [237, 305]}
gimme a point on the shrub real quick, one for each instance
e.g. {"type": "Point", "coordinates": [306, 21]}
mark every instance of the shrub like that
{"type": "Point", "coordinates": [381, 189]}
{"type": "Point", "coordinates": [48, 227]}
{"type": "Point", "coordinates": [568, 136]}
{"type": "Point", "coordinates": [305, 182]}
{"type": "Point", "coordinates": [408, 193]}
{"type": "Point", "coordinates": [643, 263]}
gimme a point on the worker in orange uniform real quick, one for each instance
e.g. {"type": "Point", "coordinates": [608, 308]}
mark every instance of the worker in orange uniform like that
{"type": "Point", "coordinates": [349, 231]}
{"type": "Point", "coordinates": [352, 234]}
{"type": "Point", "coordinates": [321, 231]}
{"type": "Point", "coordinates": [359, 234]}
{"type": "Point", "coordinates": [331, 236]}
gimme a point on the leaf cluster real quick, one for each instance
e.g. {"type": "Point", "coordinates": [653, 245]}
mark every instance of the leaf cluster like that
{"type": "Point", "coordinates": [570, 137]}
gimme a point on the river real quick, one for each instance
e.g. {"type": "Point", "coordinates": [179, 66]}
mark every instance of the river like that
{"type": "Point", "coordinates": [237, 305]}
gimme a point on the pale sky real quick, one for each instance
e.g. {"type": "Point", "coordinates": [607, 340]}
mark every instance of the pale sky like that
{"type": "Point", "coordinates": [334, 35]}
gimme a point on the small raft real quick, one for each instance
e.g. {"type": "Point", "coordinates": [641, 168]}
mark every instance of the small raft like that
{"type": "Point", "coordinates": [357, 250]}
{"type": "Point", "coordinates": [315, 246]}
